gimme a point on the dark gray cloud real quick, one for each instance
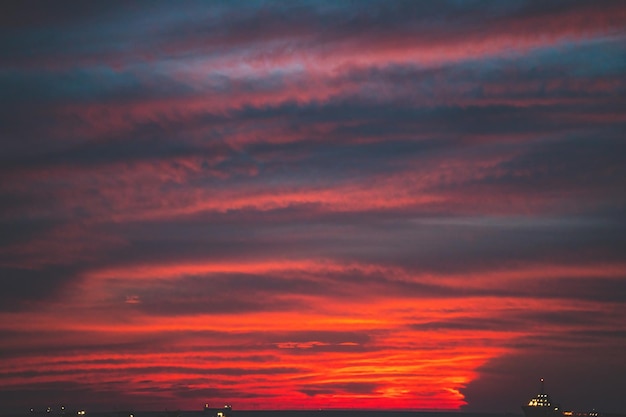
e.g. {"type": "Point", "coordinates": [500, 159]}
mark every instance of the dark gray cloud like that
{"type": "Point", "coordinates": [32, 285]}
{"type": "Point", "coordinates": [508, 382]}
{"type": "Point", "coordinates": [340, 388]}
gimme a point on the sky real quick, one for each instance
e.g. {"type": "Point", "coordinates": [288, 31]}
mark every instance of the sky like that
{"type": "Point", "coordinates": [312, 204]}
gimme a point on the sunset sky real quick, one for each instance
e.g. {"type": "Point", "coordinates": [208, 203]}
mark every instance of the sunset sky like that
{"type": "Point", "coordinates": [312, 204]}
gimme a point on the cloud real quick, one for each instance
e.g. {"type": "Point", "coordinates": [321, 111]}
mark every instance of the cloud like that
{"type": "Point", "coordinates": [340, 388]}
{"type": "Point", "coordinates": [20, 286]}
{"type": "Point", "coordinates": [513, 379]}
{"type": "Point", "coordinates": [313, 204]}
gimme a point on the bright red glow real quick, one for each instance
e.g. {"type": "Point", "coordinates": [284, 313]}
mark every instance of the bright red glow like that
{"type": "Point", "coordinates": [392, 346]}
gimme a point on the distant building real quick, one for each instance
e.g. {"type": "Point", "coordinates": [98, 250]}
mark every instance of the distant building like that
{"type": "Point", "coordinates": [225, 411]}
